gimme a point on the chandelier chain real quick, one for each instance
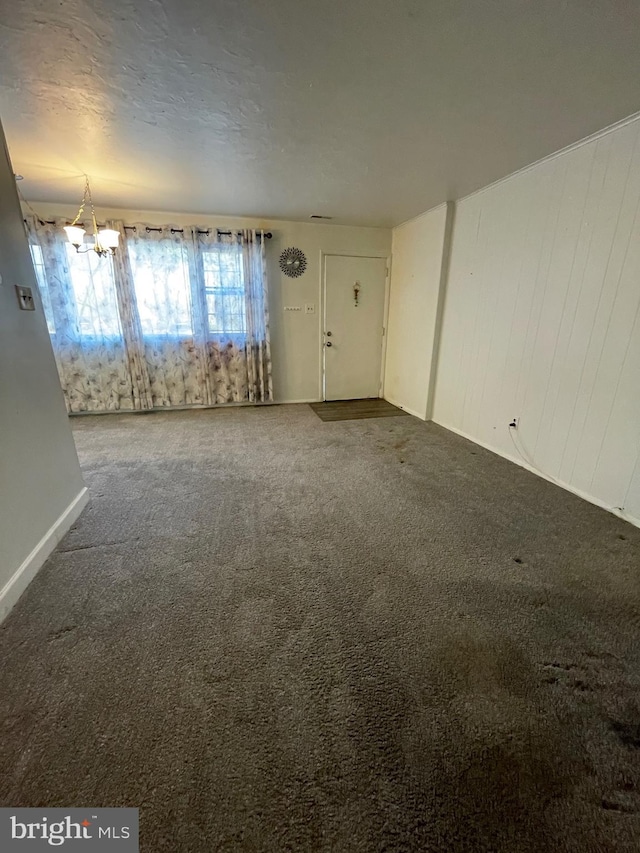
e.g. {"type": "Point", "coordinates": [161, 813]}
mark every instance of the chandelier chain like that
{"type": "Point", "coordinates": [86, 195]}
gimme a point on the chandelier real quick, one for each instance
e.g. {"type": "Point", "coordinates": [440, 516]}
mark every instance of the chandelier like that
{"type": "Point", "coordinates": [105, 240]}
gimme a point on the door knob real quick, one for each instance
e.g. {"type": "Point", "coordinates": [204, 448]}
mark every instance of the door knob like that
{"type": "Point", "coordinates": [329, 344]}
{"type": "Point", "coordinates": [328, 334]}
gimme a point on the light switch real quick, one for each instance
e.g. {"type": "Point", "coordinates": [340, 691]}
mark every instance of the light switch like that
{"type": "Point", "coordinates": [25, 298]}
{"type": "Point", "coordinates": [309, 308]}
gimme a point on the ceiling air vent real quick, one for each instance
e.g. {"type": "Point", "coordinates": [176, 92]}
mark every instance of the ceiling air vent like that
{"type": "Point", "coordinates": [318, 216]}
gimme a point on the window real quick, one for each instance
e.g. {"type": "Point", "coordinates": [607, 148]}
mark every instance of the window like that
{"type": "Point", "coordinates": [93, 305]}
{"type": "Point", "coordinates": [84, 291]}
{"type": "Point", "coordinates": [95, 295]}
{"type": "Point", "coordinates": [163, 290]}
{"type": "Point", "coordinates": [224, 290]}
{"type": "Point", "coordinates": [38, 264]}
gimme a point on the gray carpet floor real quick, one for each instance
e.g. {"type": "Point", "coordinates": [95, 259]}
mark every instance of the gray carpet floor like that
{"type": "Point", "coordinates": [271, 633]}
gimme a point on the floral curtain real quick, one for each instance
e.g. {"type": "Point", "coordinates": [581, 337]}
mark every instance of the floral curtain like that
{"type": "Point", "coordinates": [178, 317]}
{"type": "Point", "coordinates": [130, 323]}
{"type": "Point", "coordinates": [257, 349]}
{"type": "Point", "coordinates": [167, 300]}
{"type": "Point", "coordinates": [80, 303]}
{"type": "Point", "coordinates": [233, 280]}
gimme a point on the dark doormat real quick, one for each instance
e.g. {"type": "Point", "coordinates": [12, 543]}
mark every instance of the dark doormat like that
{"type": "Point", "coordinates": [349, 410]}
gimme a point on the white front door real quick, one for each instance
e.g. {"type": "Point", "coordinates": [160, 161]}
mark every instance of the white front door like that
{"type": "Point", "coordinates": [354, 294]}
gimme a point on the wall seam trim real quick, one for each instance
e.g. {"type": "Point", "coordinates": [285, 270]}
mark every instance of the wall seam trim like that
{"type": "Point", "coordinates": [573, 146]}
{"type": "Point", "coordinates": [421, 215]}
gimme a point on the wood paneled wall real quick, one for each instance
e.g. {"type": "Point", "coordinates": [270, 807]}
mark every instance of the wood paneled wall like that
{"type": "Point", "coordinates": [541, 319]}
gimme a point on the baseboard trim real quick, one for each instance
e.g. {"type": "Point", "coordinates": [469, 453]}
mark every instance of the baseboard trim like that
{"type": "Point", "coordinates": [561, 483]}
{"type": "Point", "coordinates": [22, 577]}
{"type": "Point", "coordinates": [404, 408]}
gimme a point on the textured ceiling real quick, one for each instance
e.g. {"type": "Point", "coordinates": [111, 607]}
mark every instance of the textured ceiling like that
{"type": "Point", "coordinates": [370, 111]}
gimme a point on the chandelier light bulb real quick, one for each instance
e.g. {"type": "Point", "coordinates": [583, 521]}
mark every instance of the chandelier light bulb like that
{"type": "Point", "coordinates": [108, 238]}
{"type": "Point", "coordinates": [75, 234]}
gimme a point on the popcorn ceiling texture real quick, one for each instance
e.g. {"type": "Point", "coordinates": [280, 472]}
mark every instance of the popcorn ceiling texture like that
{"type": "Point", "coordinates": [271, 633]}
{"type": "Point", "coordinates": [367, 111]}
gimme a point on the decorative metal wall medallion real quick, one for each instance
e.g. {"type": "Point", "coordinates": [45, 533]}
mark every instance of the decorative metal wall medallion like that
{"type": "Point", "coordinates": [293, 262]}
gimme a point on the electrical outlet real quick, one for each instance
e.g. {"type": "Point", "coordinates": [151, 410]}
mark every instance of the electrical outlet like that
{"type": "Point", "coordinates": [25, 298]}
{"type": "Point", "coordinates": [514, 423]}
{"type": "Point", "coordinates": [309, 308]}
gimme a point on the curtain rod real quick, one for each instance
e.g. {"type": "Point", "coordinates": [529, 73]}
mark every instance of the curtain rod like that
{"type": "Point", "coordinates": [267, 234]}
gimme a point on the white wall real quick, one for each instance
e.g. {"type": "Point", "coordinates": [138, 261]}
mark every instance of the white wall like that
{"type": "Point", "coordinates": [41, 489]}
{"type": "Point", "coordinates": [418, 255]}
{"type": "Point", "coordinates": [295, 336]}
{"type": "Point", "coordinates": [541, 319]}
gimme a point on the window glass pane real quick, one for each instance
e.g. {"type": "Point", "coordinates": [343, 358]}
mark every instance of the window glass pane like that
{"type": "Point", "coordinates": [224, 289]}
{"type": "Point", "coordinates": [161, 280]}
{"type": "Point", "coordinates": [43, 287]}
{"type": "Point", "coordinates": [95, 294]}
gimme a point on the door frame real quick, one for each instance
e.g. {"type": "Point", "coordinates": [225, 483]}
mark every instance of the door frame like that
{"type": "Point", "coordinates": [385, 314]}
